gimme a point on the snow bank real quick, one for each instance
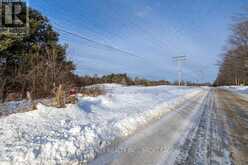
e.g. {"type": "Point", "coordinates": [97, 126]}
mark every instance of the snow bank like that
{"type": "Point", "coordinates": [14, 107]}
{"type": "Point", "coordinates": [239, 89]}
{"type": "Point", "coordinates": [77, 132]}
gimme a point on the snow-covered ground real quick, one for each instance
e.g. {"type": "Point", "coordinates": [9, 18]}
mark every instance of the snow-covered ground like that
{"type": "Point", "coordinates": [239, 89]}
{"type": "Point", "coordinates": [77, 132]}
{"type": "Point", "coordinates": [14, 107]}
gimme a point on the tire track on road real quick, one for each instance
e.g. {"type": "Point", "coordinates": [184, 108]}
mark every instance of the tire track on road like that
{"type": "Point", "coordinates": [158, 140]}
{"type": "Point", "coordinates": [207, 143]}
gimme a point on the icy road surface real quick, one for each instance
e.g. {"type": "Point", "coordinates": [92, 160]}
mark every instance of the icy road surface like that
{"type": "Point", "coordinates": [211, 128]}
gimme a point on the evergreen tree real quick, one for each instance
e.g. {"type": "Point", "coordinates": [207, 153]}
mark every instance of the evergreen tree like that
{"type": "Point", "coordinates": [34, 62]}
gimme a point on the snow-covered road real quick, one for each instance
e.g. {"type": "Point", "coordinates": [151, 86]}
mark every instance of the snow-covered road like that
{"type": "Point", "coordinates": [211, 128]}
{"type": "Point", "coordinates": [156, 143]}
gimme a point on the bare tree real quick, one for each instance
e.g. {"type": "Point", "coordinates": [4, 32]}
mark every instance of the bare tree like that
{"type": "Point", "coordinates": [233, 69]}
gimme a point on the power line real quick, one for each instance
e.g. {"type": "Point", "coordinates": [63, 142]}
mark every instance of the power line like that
{"type": "Point", "coordinates": [149, 36]}
{"type": "Point", "coordinates": [93, 41]}
{"type": "Point", "coordinates": [90, 40]}
{"type": "Point", "coordinates": [145, 31]}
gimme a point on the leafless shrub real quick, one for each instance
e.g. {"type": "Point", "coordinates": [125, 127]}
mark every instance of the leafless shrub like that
{"type": "Point", "coordinates": [59, 99]}
{"type": "Point", "coordinates": [92, 91]}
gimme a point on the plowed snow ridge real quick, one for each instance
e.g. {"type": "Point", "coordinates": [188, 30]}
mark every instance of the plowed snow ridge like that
{"type": "Point", "coordinates": [76, 133]}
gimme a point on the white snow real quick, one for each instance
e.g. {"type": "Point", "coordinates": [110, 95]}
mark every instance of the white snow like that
{"type": "Point", "coordinates": [77, 132]}
{"type": "Point", "coordinates": [239, 89]}
{"type": "Point", "coordinates": [14, 107]}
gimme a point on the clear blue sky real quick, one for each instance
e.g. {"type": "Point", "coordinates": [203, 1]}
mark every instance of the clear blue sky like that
{"type": "Point", "coordinates": [153, 30]}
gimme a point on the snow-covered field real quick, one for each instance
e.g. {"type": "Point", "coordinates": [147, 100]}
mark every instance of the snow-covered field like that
{"type": "Point", "coordinates": [239, 89]}
{"type": "Point", "coordinates": [77, 132]}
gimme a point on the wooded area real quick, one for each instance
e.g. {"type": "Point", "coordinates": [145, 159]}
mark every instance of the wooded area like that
{"type": "Point", "coordinates": [35, 62]}
{"type": "Point", "coordinates": [234, 62]}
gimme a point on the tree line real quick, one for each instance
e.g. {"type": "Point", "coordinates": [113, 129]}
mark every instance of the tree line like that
{"type": "Point", "coordinates": [234, 61]}
{"type": "Point", "coordinates": [123, 79]}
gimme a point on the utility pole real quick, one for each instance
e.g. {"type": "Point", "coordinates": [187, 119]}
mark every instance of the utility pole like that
{"type": "Point", "coordinates": [179, 60]}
